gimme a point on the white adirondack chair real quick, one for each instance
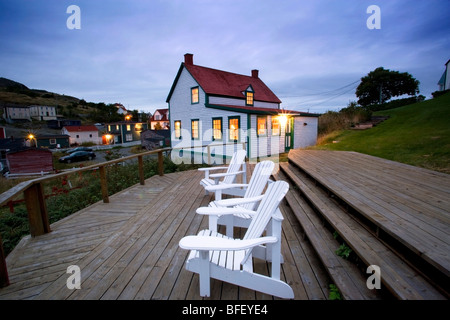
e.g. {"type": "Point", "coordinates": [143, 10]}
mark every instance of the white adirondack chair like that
{"type": "Point", "coordinates": [236, 166]}
{"type": "Point", "coordinates": [217, 256]}
{"type": "Point", "coordinates": [217, 210]}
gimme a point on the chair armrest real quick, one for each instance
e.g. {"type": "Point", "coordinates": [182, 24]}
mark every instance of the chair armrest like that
{"type": "Point", "coordinates": [224, 186]}
{"type": "Point", "coordinates": [212, 168]}
{"type": "Point", "coordinates": [217, 243]}
{"type": "Point", "coordinates": [210, 211]}
{"type": "Point", "coordinates": [231, 202]}
{"type": "Point", "coordinates": [220, 175]}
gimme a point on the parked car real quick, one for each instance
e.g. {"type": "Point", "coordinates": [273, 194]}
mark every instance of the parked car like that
{"type": "Point", "coordinates": [78, 156]}
{"type": "Point", "coordinates": [79, 149]}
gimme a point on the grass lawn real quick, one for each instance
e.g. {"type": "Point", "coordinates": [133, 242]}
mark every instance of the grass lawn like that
{"type": "Point", "coordinates": [417, 134]}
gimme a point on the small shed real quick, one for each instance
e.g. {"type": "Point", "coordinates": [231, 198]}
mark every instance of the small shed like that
{"type": "Point", "coordinates": [53, 141]}
{"type": "Point", "coordinates": [30, 160]}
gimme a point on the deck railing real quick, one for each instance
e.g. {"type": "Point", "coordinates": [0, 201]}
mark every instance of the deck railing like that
{"type": "Point", "coordinates": [34, 196]}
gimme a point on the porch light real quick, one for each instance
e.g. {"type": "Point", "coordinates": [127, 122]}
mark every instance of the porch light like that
{"type": "Point", "coordinates": [283, 119]}
{"type": "Point", "coordinates": [128, 117]}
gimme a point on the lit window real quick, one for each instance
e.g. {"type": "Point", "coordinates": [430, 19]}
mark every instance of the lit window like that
{"type": "Point", "coordinates": [275, 126]}
{"type": "Point", "coordinates": [261, 126]}
{"type": "Point", "coordinates": [249, 98]}
{"type": "Point", "coordinates": [128, 127]}
{"type": "Point", "coordinates": [194, 95]}
{"type": "Point", "coordinates": [177, 126]}
{"type": "Point", "coordinates": [194, 129]}
{"type": "Point", "coordinates": [217, 129]}
{"type": "Point", "coordinates": [233, 128]}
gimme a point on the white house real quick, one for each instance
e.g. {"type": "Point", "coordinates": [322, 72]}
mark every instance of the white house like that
{"type": "Point", "coordinates": [225, 111]}
{"type": "Point", "coordinates": [80, 134]}
{"type": "Point", "coordinates": [43, 112]}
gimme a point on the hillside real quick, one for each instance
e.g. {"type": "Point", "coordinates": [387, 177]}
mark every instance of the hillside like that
{"type": "Point", "coordinates": [416, 134]}
{"type": "Point", "coordinates": [17, 93]}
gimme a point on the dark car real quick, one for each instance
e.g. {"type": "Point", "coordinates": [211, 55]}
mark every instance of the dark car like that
{"type": "Point", "coordinates": [77, 156]}
{"type": "Point", "coordinates": [79, 149]}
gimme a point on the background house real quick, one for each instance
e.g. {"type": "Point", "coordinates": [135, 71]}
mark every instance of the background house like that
{"type": "Point", "coordinates": [60, 123]}
{"type": "Point", "coordinates": [81, 134]}
{"type": "Point", "coordinates": [152, 139]}
{"type": "Point", "coordinates": [16, 113]}
{"type": "Point", "coordinates": [160, 119]}
{"type": "Point", "coordinates": [125, 131]}
{"type": "Point", "coordinates": [214, 107]}
{"type": "Point", "coordinates": [43, 112]}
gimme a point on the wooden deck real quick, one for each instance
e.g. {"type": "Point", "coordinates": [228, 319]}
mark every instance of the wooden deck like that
{"type": "Point", "coordinates": [128, 249]}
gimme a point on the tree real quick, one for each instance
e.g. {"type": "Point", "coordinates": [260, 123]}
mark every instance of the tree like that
{"type": "Point", "coordinates": [381, 84]}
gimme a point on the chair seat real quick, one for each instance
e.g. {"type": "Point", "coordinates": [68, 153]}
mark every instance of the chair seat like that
{"type": "Point", "coordinates": [230, 260]}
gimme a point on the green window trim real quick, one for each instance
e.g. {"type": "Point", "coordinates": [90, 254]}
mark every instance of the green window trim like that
{"type": "Point", "coordinates": [195, 95]}
{"type": "Point", "coordinates": [218, 121]}
{"type": "Point", "coordinates": [234, 131]}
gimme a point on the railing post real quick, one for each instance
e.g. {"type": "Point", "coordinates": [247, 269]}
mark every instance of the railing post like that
{"type": "Point", "coordinates": [37, 210]}
{"type": "Point", "coordinates": [4, 279]}
{"type": "Point", "coordinates": [141, 170]}
{"type": "Point", "coordinates": [208, 148]}
{"type": "Point", "coordinates": [104, 184]}
{"type": "Point", "coordinates": [160, 163]}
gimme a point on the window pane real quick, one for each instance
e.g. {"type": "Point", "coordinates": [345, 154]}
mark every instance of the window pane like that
{"type": "Point", "coordinates": [217, 129]}
{"type": "Point", "coordinates": [194, 124]}
{"type": "Point", "coordinates": [234, 128]}
{"type": "Point", "coordinates": [262, 126]}
{"type": "Point", "coordinates": [194, 95]}
{"type": "Point", "coordinates": [275, 126]}
{"type": "Point", "coordinates": [177, 129]}
{"type": "Point", "coordinates": [249, 96]}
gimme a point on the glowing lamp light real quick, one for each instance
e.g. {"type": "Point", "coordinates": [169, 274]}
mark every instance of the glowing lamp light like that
{"type": "Point", "coordinates": [283, 119]}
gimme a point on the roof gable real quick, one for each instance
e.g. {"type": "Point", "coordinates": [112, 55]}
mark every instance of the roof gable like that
{"type": "Point", "coordinates": [223, 83]}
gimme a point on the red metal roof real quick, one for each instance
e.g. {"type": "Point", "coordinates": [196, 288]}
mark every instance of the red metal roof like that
{"type": "Point", "coordinates": [223, 83]}
{"type": "Point", "coordinates": [81, 128]}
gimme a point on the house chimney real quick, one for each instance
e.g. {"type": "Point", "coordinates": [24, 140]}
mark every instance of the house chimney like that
{"type": "Point", "coordinates": [189, 59]}
{"type": "Point", "coordinates": [255, 73]}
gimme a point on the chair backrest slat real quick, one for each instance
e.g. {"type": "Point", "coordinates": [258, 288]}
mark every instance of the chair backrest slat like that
{"type": "Point", "coordinates": [260, 176]}
{"type": "Point", "coordinates": [235, 165]}
{"type": "Point", "coordinates": [269, 204]}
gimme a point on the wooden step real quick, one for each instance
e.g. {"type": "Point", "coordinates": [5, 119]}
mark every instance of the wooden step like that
{"type": "Point", "coordinates": [344, 274]}
{"type": "Point", "coordinates": [402, 281]}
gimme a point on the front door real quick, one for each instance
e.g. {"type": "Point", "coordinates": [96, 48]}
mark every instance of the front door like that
{"type": "Point", "coordinates": [289, 135]}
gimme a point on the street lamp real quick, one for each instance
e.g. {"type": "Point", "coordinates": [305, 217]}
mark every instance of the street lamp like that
{"type": "Point", "coordinates": [31, 137]}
